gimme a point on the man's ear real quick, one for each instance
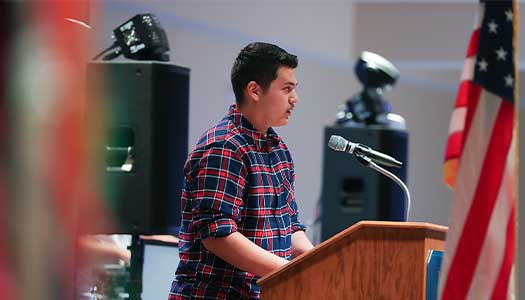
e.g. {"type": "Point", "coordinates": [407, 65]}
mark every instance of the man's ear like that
{"type": "Point", "coordinates": [253, 90]}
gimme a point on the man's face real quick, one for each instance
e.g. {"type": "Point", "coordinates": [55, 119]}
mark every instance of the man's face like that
{"type": "Point", "coordinates": [278, 101]}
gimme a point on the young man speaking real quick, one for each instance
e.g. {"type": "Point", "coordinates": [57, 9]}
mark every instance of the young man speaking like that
{"type": "Point", "coordinates": [239, 215]}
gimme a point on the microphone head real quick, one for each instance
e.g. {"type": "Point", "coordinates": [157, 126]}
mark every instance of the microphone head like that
{"type": "Point", "coordinates": [337, 143]}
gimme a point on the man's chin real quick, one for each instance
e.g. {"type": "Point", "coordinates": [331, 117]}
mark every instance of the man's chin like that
{"type": "Point", "coordinates": [281, 123]}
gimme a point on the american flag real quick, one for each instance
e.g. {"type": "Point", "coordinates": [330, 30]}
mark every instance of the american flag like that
{"type": "Point", "coordinates": [481, 166]}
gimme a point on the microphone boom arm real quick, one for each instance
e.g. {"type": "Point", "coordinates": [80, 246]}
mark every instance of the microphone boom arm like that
{"type": "Point", "coordinates": [367, 162]}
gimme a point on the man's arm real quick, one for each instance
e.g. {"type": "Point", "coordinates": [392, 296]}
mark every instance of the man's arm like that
{"type": "Point", "coordinates": [242, 253]}
{"type": "Point", "coordinates": [101, 252]}
{"type": "Point", "coordinates": [300, 243]}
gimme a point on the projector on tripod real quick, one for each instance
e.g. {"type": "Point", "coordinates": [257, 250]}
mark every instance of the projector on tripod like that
{"type": "Point", "coordinates": [369, 107]}
{"type": "Point", "coordinates": [140, 38]}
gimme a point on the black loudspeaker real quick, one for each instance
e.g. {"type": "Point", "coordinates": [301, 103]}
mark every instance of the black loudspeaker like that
{"type": "Point", "coordinates": [138, 112]}
{"type": "Point", "coordinates": [352, 192]}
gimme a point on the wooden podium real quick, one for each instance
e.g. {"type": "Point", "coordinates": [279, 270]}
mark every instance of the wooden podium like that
{"type": "Point", "coordinates": [369, 260]}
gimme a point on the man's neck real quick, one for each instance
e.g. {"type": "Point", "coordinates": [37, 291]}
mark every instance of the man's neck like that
{"type": "Point", "coordinates": [250, 113]}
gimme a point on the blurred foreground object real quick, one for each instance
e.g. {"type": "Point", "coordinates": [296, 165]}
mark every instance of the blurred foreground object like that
{"type": "Point", "coordinates": [46, 190]}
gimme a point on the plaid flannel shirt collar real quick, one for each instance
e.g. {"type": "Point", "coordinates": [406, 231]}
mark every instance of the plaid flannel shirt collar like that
{"type": "Point", "coordinates": [245, 127]}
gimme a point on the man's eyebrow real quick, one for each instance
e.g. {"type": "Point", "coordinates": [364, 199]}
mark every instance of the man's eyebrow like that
{"type": "Point", "coordinates": [295, 84]}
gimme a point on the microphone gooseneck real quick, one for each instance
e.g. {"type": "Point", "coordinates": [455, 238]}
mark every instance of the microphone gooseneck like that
{"type": "Point", "coordinates": [340, 144]}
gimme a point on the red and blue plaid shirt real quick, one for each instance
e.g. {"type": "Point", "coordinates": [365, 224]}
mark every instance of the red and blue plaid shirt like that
{"type": "Point", "coordinates": [236, 179]}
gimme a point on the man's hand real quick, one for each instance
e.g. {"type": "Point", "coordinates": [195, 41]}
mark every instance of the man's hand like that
{"type": "Point", "coordinates": [300, 243]}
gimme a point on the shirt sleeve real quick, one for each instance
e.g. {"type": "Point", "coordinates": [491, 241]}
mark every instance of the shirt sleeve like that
{"type": "Point", "coordinates": [218, 188]}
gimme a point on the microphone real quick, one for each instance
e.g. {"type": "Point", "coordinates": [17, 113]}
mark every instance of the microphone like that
{"type": "Point", "coordinates": [340, 144]}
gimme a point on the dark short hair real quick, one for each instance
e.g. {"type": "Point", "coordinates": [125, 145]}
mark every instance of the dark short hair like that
{"type": "Point", "coordinates": [258, 62]}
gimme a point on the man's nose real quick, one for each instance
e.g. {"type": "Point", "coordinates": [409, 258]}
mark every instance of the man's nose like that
{"type": "Point", "coordinates": [294, 99]}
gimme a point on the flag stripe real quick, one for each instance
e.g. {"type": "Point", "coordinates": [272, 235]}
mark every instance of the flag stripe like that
{"type": "Point", "coordinates": [466, 91]}
{"type": "Point", "coordinates": [468, 96]}
{"type": "Point", "coordinates": [469, 170]}
{"type": "Point", "coordinates": [474, 94]}
{"type": "Point", "coordinates": [501, 291]}
{"type": "Point", "coordinates": [494, 246]}
{"type": "Point", "coordinates": [467, 74]}
{"type": "Point", "coordinates": [474, 231]}
{"type": "Point", "coordinates": [469, 93]}
{"type": "Point", "coordinates": [463, 92]}
{"type": "Point", "coordinates": [457, 122]}
{"type": "Point", "coordinates": [472, 49]}
{"type": "Point", "coordinates": [454, 145]}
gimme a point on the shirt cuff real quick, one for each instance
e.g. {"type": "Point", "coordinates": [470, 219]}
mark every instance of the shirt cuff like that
{"type": "Point", "coordinates": [217, 228]}
{"type": "Point", "coordinates": [298, 227]}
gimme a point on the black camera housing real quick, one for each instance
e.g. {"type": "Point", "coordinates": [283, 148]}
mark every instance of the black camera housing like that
{"type": "Point", "coordinates": [374, 71]}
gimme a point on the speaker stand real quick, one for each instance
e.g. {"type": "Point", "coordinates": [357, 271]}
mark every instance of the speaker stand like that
{"type": "Point", "coordinates": [134, 285]}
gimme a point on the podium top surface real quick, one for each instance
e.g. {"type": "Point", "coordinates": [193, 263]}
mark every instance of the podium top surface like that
{"type": "Point", "coordinates": [434, 229]}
